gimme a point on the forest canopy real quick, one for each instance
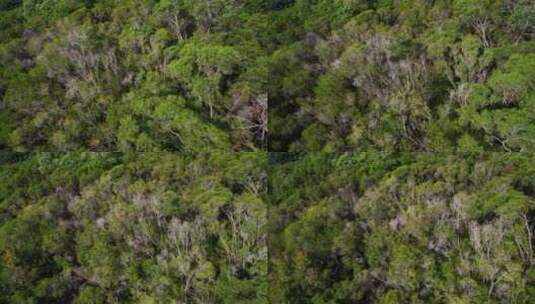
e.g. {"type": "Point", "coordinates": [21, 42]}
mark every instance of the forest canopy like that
{"type": "Point", "coordinates": [182, 75]}
{"type": "Point", "coordinates": [410, 228]}
{"type": "Point", "coordinates": [267, 151]}
{"type": "Point", "coordinates": [133, 75]}
{"type": "Point", "coordinates": [442, 76]}
{"type": "Point", "coordinates": [132, 228]}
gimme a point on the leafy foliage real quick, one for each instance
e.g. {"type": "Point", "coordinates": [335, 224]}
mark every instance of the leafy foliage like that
{"type": "Point", "coordinates": [133, 228]}
{"type": "Point", "coordinates": [96, 75]}
{"type": "Point", "coordinates": [434, 76]}
{"type": "Point", "coordinates": [410, 228]}
{"type": "Point", "coordinates": [400, 161]}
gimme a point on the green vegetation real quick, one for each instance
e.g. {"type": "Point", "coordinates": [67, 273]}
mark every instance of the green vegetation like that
{"type": "Point", "coordinates": [444, 76]}
{"type": "Point", "coordinates": [132, 228]}
{"type": "Point", "coordinates": [411, 228]}
{"type": "Point", "coordinates": [139, 75]}
{"type": "Point", "coordinates": [135, 156]}
{"type": "Point", "coordinates": [194, 75]}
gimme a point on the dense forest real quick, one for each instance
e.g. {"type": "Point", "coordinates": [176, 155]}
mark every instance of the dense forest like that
{"type": "Point", "coordinates": [441, 76]}
{"type": "Point", "coordinates": [267, 151]}
{"type": "Point", "coordinates": [132, 228]}
{"type": "Point", "coordinates": [133, 75]}
{"type": "Point", "coordinates": [410, 228]}
{"type": "Point", "coordinates": [147, 75]}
